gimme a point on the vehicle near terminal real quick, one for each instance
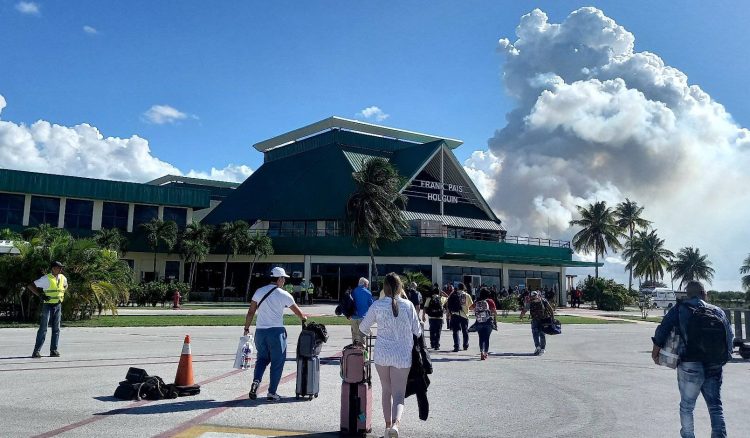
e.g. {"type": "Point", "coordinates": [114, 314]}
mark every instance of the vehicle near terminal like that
{"type": "Point", "coordinates": [663, 297]}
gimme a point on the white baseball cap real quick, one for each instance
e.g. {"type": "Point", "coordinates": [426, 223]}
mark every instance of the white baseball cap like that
{"type": "Point", "coordinates": [278, 272]}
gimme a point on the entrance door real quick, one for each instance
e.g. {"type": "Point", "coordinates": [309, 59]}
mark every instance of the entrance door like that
{"type": "Point", "coordinates": [472, 283]}
{"type": "Point", "coordinates": [533, 284]}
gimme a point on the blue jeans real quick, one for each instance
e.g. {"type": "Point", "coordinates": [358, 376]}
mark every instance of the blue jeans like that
{"type": "Point", "coordinates": [50, 312]}
{"type": "Point", "coordinates": [271, 346]}
{"type": "Point", "coordinates": [694, 379]}
{"type": "Point", "coordinates": [540, 341]}
{"type": "Point", "coordinates": [462, 324]}
{"type": "Point", "coordinates": [484, 331]}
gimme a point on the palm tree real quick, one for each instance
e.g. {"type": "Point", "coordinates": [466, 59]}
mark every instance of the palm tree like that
{"type": "Point", "coordinates": [647, 255]}
{"type": "Point", "coordinates": [628, 215]}
{"type": "Point", "coordinates": [374, 209]}
{"type": "Point", "coordinates": [111, 238]}
{"type": "Point", "coordinates": [258, 245]}
{"type": "Point", "coordinates": [691, 265]}
{"type": "Point", "coordinates": [194, 246]}
{"type": "Point", "coordinates": [599, 231]}
{"type": "Point", "coordinates": [745, 269]}
{"type": "Point", "coordinates": [158, 231]}
{"type": "Point", "coordinates": [8, 234]}
{"type": "Point", "coordinates": [235, 236]}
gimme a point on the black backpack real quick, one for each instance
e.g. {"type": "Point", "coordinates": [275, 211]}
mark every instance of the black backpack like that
{"type": "Point", "coordinates": [706, 337]}
{"type": "Point", "coordinates": [348, 307]}
{"type": "Point", "coordinates": [415, 297]}
{"type": "Point", "coordinates": [435, 309]}
{"type": "Point", "coordinates": [454, 302]}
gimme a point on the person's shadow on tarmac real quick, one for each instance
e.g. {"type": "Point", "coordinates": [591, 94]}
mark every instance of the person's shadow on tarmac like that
{"type": "Point", "coordinates": [188, 405]}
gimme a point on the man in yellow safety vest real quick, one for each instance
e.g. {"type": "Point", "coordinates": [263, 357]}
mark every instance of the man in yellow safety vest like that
{"type": "Point", "coordinates": [53, 287]}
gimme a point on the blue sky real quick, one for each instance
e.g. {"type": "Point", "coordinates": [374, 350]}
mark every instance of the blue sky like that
{"type": "Point", "coordinates": [251, 70]}
{"type": "Point", "coordinates": [221, 76]}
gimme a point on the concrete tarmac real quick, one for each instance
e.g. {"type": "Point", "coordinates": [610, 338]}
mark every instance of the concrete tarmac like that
{"type": "Point", "coordinates": [593, 381]}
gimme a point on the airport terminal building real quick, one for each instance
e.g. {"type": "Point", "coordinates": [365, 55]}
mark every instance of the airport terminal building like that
{"type": "Point", "coordinates": [298, 197]}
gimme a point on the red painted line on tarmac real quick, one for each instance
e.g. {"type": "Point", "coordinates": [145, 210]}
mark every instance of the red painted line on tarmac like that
{"type": "Point", "coordinates": [226, 405]}
{"type": "Point", "coordinates": [103, 415]}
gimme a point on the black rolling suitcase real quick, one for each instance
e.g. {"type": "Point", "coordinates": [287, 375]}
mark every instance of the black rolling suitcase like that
{"type": "Point", "coordinates": [308, 363]}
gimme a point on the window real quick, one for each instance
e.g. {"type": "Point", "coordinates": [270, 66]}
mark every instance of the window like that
{"type": "Point", "coordinates": [178, 215]}
{"type": "Point", "coordinates": [11, 209]}
{"type": "Point", "coordinates": [172, 270]}
{"type": "Point", "coordinates": [78, 214]}
{"type": "Point", "coordinates": [44, 211]}
{"type": "Point", "coordinates": [143, 214]}
{"type": "Point", "coordinates": [274, 228]}
{"type": "Point", "coordinates": [115, 215]}
{"type": "Point", "coordinates": [311, 228]}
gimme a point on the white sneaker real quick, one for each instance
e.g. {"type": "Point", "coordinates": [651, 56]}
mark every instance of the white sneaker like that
{"type": "Point", "coordinates": [273, 397]}
{"type": "Point", "coordinates": [394, 432]}
{"type": "Point", "coordinates": [541, 352]}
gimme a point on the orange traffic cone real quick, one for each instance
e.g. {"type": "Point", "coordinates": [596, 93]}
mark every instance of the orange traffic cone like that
{"type": "Point", "coordinates": [184, 375]}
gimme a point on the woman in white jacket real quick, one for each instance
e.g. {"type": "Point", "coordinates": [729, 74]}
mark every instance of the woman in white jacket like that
{"type": "Point", "coordinates": [397, 321]}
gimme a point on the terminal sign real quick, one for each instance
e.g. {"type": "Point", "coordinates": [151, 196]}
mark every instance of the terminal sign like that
{"type": "Point", "coordinates": [437, 197]}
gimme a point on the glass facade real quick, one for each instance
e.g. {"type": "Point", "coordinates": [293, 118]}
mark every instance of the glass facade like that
{"type": "Point", "coordinates": [78, 214]}
{"type": "Point", "coordinates": [44, 210]}
{"type": "Point", "coordinates": [177, 215]}
{"type": "Point", "coordinates": [292, 228]}
{"type": "Point", "coordinates": [542, 279]}
{"type": "Point", "coordinates": [426, 270]}
{"type": "Point", "coordinates": [474, 276]}
{"type": "Point", "coordinates": [172, 270]}
{"type": "Point", "coordinates": [11, 209]}
{"type": "Point", "coordinates": [143, 214]}
{"type": "Point", "coordinates": [115, 215]}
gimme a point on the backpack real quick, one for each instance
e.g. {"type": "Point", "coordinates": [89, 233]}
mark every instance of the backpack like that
{"type": "Point", "coordinates": [482, 311]}
{"type": "Point", "coordinates": [435, 309]}
{"type": "Point", "coordinates": [348, 308]}
{"type": "Point", "coordinates": [454, 302]}
{"type": "Point", "coordinates": [706, 337]}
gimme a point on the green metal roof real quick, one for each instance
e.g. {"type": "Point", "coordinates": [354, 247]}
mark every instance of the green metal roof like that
{"type": "Point", "coordinates": [454, 221]}
{"type": "Point", "coordinates": [45, 184]}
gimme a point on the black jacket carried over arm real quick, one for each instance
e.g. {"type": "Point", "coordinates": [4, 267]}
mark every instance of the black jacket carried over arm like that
{"type": "Point", "coordinates": [418, 381]}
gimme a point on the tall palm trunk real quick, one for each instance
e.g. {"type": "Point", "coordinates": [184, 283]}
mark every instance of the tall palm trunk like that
{"type": "Point", "coordinates": [249, 278]}
{"type": "Point", "coordinates": [630, 278]}
{"type": "Point", "coordinates": [374, 266]}
{"type": "Point", "coordinates": [224, 280]}
{"type": "Point", "coordinates": [596, 259]}
{"type": "Point", "coordinates": [155, 276]}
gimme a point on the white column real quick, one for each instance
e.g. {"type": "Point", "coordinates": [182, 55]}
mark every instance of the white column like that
{"type": "Point", "coordinates": [131, 215]}
{"type": "Point", "coordinates": [189, 217]}
{"type": "Point", "coordinates": [61, 214]}
{"type": "Point", "coordinates": [437, 270]}
{"type": "Point", "coordinates": [26, 210]}
{"type": "Point", "coordinates": [506, 279]}
{"type": "Point", "coordinates": [96, 218]}
{"type": "Point", "coordinates": [160, 215]}
{"type": "Point", "coordinates": [308, 268]}
{"type": "Point", "coordinates": [562, 287]}
{"type": "Point", "coordinates": [321, 228]}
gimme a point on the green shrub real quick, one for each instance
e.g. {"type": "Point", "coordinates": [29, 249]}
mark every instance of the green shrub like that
{"type": "Point", "coordinates": [606, 293]}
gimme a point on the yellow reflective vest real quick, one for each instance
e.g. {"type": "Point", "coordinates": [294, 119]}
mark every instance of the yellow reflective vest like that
{"type": "Point", "coordinates": [56, 291]}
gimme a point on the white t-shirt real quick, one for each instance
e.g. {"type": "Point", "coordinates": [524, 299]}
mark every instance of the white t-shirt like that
{"type": "Point", "coordinates": [394, 343]}
{"type": "Point", "coordinates": [271, 312]}
{"type": "Point", "coordinates": [43, 282]}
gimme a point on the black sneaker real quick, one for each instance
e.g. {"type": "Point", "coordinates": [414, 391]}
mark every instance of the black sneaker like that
{"type": "Point", "coordinates": [254, 390]}
{"type": "Point", "coordinates": [36, 354]}
{"type": "Point", "coordinates": [455, 350]}
{"type": "Point", "coordinates": [54, 353]}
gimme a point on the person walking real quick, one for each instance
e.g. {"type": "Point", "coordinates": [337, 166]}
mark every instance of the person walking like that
{"type": "Point", "coordinates": [414, 296]}
{"type": "Point", "coordinates": [397, 325]}
{"type": "Point", "coordinates": [362, 297]}
{"type": "Point", "coordinates": [458, 305]}
{"type": "Point", "coordinates": [539, 310]}
{"type": "Point", "coordinates": [53, 286]}
{"type": "Point", "coordinates": [485, 312]}
{"type": "Point", "coordinates": [708, 339]}
{"type": "Point", "coordinates": [433, 308]}
{"type": "Point", "coordinates": [524, 301]}
{"type": "Point", "coordinates": [269, 303]}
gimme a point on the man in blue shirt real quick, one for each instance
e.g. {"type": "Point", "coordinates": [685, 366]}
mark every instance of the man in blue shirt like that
{"type": "Point", "coordinates": [696, 373]}
{"type": "Point", "coordinates": [362, 301]}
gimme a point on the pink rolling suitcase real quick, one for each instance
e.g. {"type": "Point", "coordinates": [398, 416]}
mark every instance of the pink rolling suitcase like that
{"type": "Point", "coordinates": [356, 389]}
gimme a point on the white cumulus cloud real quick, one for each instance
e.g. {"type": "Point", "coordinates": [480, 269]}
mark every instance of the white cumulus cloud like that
{"type": "Point", "coordinates": [163, 114]}
{"type": "Point", "coordinates": [90, 30]}
{"type": "Point", "coordinates": [596, 120]}
{"type": "Point", "coordinates": [483, 167]}
{"type": "Point", "coordinates": [82, 150]}
{"type": "Point", "coordinates": [28, 8]}
{"type": "Point", "coordinates": [373, 113]}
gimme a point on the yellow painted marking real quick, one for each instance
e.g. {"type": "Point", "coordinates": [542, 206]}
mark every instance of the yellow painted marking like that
{"type": "Point", "coordinates": [197, 431]}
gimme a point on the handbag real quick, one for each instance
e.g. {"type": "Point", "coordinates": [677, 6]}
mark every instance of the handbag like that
{"type": "Point", "coordinates": [473, 327]}
{"type": "Point", "coordinates": [669, 355]}
{"type": "Point", "coordinates": [551, 326]}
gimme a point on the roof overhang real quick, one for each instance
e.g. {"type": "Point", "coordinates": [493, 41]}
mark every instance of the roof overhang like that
{"type": "Point", "coordinates": [512, 259]}
{"type": "Point", "coordinates": [350, 125]}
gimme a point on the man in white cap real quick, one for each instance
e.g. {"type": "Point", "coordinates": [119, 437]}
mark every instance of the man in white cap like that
{"type": "Point", "coordinates": [269, 303]}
